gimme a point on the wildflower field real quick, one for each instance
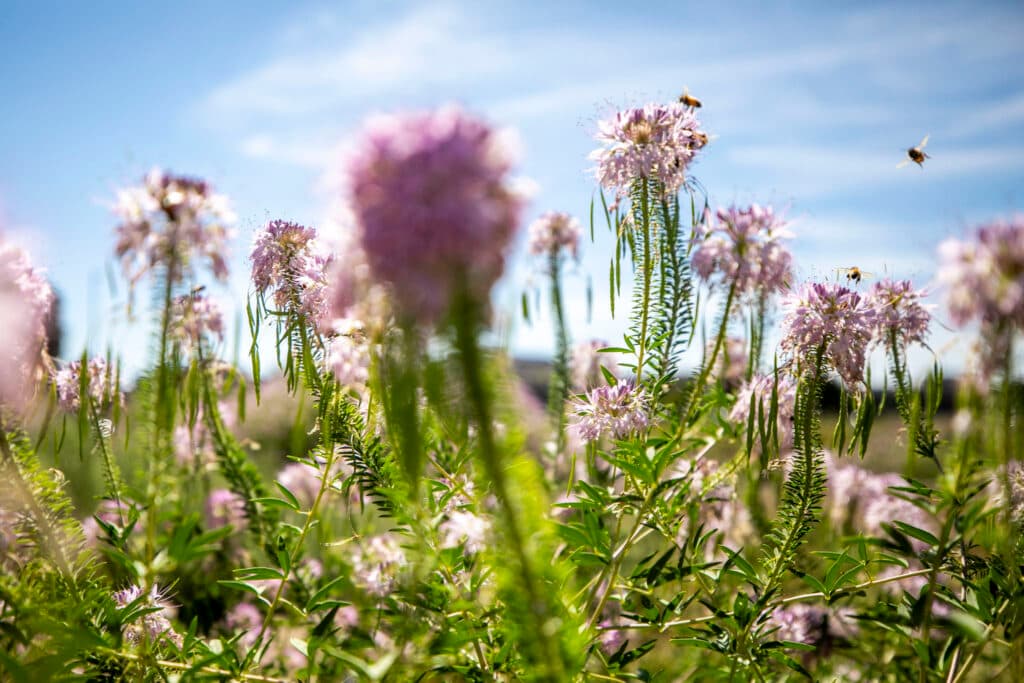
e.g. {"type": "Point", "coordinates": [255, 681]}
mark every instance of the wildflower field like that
{"type": "Point", "coordinates": [381, 498]}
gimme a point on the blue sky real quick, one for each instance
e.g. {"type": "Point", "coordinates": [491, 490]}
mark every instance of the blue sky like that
{"type": "Point", "coordinates": [812, 105]}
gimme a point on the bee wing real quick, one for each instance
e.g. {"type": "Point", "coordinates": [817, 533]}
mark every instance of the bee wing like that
{"type": "Point", "coordinates": [903, 163]}
{"type": "Point", "coordinates": [865, 273]}
{"type": "Point", "coordinates": [924, 141]}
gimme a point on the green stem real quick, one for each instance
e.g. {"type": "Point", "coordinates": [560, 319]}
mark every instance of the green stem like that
{"type": "Point", "coordinates": [558, 392]}
{"type": "Point", "coordinates": [480, 402]}
{"type": "Point", "coordinates": [647, 274]}
{"type": "Point", "coordinates": [709, 364]}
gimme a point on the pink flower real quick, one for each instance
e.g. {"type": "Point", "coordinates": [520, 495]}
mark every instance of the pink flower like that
{"type": "Point", "coordinates": [193, 317]}
{"type": "Point", "coordinates": [435, 208]}
{"type": "Point", "coordinates": [170, 221]}
{"type": "Point", "coordinates": [464, 529]}
{"type": "Point", "coordinates": [743, 249]}
{"type": "Point", "coordinates": [985, 276]}
{"type": "Point", "coordinates": [553, 232]}
{"type": "Point", "coordinates": [224, 508]}
{"type": "Point", "coordinates": [100, 382]}
{"type": "Point", "coordinates": [375, 565]}
{"type": "Point", "coordinates": [620, 411]}
{"type": "Point", "coordinates": [348, 354]}
{"type": "Point", "coordinates": [832, 319]}
{"type": "Point", "coordinates": [288, 259]}
{"type": "Point", "coordinates": [898, 310]}
{"type": "Point", "coordinates": [656, 142]}
{"type": "Point", "coordinates": [25, 303]}
{"type": "Point", "coordinates": [153, 625]}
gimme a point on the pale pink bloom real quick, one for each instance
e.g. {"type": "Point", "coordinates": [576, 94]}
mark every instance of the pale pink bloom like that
{"type": "Point", "coordinates": [435, 208]}
{"type": "Point", "coordinates": [152, 626]}
{"type": "Point", "coordinates": [290, 264]}
{"type": "Point", "coordinates": [833, 320]}
{"type": "Point", "coordinates": [985, 275]}
{"type": "Point", "coordinates": [193, 318]}
{"type": "Point", "coordinates": [742, 248]}
{"type": "Point", "coordinates": [619, 411]}
{"type": "Point", "coordinates": [25, 303]}
{"type": "Point", "coordinates": [376, 565]}
{"type": "Point", "coordinates": [554, 232]}
{"type": "Point", "coordinates": [100, 382]}
{"type": "Point", "coordinates": [172, 221]}
{"type": "Point", "coordinates": [466, 530]}
{"type": "Point", "coordinates": [224, 508]}
{"type": "Point", "coordinates": [798, 623]}
{"type": "Point", "coordinates": [348, 354]}
{"type": "Point", "coordinates": [655, 142]}
{"type": "Point", "coordinates": [898, 309]}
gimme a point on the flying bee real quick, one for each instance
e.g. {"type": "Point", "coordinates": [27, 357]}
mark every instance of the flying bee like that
{"type": "Point", "coordinates": [689, 100]}
{"type": "Point", "coordinates": [916, 154]}
{"type": "Point", "coordinates": [854, 274]}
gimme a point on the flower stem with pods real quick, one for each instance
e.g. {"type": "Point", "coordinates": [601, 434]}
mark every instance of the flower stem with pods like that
{"type": "Point", "coordinates": [544, 647]}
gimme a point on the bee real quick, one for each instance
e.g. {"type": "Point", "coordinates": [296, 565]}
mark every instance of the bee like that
{"type": "Point", "coordinates": [689, 100]}
{"type": "Point", "coordinates": [853, 274]}
{"type": "Point", "coordinates": [916, 154]}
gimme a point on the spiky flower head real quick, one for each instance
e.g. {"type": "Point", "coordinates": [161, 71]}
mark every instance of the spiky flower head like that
{"type": "Point", "coordinates": [193, 317]}
{"type": "Point", "coordinates": [25, 304]}
{"type": "Point", "coordinates": [554, 232]}
{"type": "Point", "coordinates": [100, 381]}
{"type": "Point", "coordinates": [435, 208]}
{"type": "Point", "coordinates": [171, 221]}
{"type": "Point", "coordinates": [830, 319]}
{"type": "Point", "coordinates": [899, 312]}
{"type": "Point", "coordinates": [464, 529]}
{"type": "Point", "coordinates": [377, 563]}
{"type": "Point", "coordinates": [290, 264]}
{"type": "Point", "coordinates": [348, 354]}
{"type": "Point", "coordinates": [984, 275]}
{"type": "Point", "coordinates": [152, 626]}
{"type": "Point", "coordinates": [656, 142]}
{"type": "Point", "coordinates": [619, 411]}
{"type": "Point", "coordinates": [798, 623]}
{"type": "Point", "coordinates": [742, 248]}
{"type": "Point", "coordinates": [224, 507]}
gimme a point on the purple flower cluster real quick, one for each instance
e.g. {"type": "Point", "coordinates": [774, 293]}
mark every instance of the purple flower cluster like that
{"type": "Point", "coordinates": [985, 276]}
{"type": "Point", "coordinates": [288, 259]}
{"type": "Point", "coordinates": [466, 530]}
{"type": "Point", "coordinates": [348, 354]}
{"type": "Point", "coordinates": [68, 383]}
{"type": "Point", "coordinates": [586, 363]}
{"type": "Point", "coordinates": [743, 249]}
{"type": "Point", "coordinates": [898, 309]}
{"type": "Point", "coordinates": [194, 316]}
{"type": "Point", "coordinates": [170, 220]}
{"type": "Point", "coordinates": [619, 411]}
{"type": "Point", "coordinates": [656, 142]}
{"type": "Point", "coordinates": [376, 564]}
{"type": "Point", "coordinates": [435, 208]}
{"type": "Point", "coordinates": [798, 623]}
{"type": "Point", "coordinates": [830, 318]}
{"type": "Point", "coordinates": [553, 232]}
{"type": "Point", "coordinates": [861, 499]}
{"type": "Point", "coordinates": [152, 626]}
{"type": "Point", "coordinates": [224, 508]}
{"type": "Point", "coordinates": [25, 303]}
